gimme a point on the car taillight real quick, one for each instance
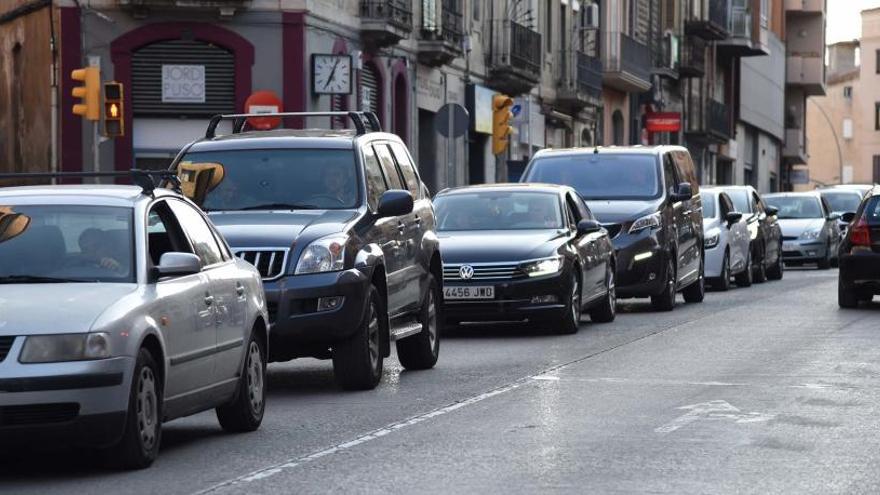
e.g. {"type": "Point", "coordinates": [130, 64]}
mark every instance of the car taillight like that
{"type": "Point", "coordinates": [861, 235]}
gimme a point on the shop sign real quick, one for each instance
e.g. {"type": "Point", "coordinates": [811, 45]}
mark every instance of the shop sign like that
{"type": "Point", "coordinates": [663, 122]}
{"type": "Point", "coordinates": [183, 83]}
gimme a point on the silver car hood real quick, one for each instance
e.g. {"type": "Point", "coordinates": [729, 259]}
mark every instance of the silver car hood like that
{"type": "Point", "coordinates": [33, 309]}
{"type": "Point", "coordinates": [710, 223]}
{"type": "Point", "coordinates": [794, 227]}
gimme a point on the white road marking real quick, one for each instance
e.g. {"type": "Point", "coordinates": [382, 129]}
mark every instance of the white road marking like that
{"type": "Point", "coordinates": [713, 410]}
{"type": "Point", "coordinates": [552, 378]}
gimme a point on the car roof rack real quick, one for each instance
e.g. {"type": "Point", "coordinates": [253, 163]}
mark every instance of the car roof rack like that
{"type": "Point", "coordinates": [363, 121]}
{"type": "Point", "coordinates": [148, 180]}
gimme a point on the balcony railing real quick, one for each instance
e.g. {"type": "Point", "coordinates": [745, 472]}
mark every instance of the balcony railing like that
{"type": "Point", "coordinates": [515, 57]}
{"type": "Point", "coordinates": [627, 62]}
{"type": "Point", "coordinates": [693, 58]}
{"type": "Point", "coordinates": [718, 119]}
{"type": "Point", "coordinates": [441, 35]}
{"type": "Point", "coordinates": [386, 22]}
{"type": "Point", "coordinates": [449, 30]}
{"type": "Point", "coordinates": [580, 78]}
{"type": "Point", "coordinates": [713, 26]}
{"type": "Point", "coordinates": [740, 23]}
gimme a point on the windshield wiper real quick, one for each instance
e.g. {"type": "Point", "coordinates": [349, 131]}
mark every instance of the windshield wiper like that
{"type": "Point", "coordinates": [35, 279]}
{"type": "Point", "coordinates": [282, 206]}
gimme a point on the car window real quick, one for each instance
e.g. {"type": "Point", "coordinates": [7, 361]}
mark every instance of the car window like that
{"type": "Point", "coordinates": [164, 234]}
{"type": "Point", "coordinates": [826, 207]}
{"type": "Point", "coordinates": [872, 211]}
{"type": "Point", "coordinates": [708, 205]}
{"type": "Point", "coordinates": [406, 169]}
{"type": "Point", "coordinates": [842, 202]}
{"type": "Point", "coordinates": [499, 210]}
{"type": "Point", "coordinates": [580, 207]}
{"type": "Point", "coordinates": [596, 176]}
{"type": "Point", "coordinates": [756, 204]}
{"type": "Point", "coordinates": [375, 181]}
{"type": "Point", "coordinates": [726, 205]}
{"type": "Point", "coordinates": [670, 175]}
{"type": "Point", "coordinates": [389, 169]}
{"type": "Point", "coordinates": [198, 231]}
{"type": "Point", "coordinates": [740, 200]}
{"type": "Point", "coordinates": [793, 207]}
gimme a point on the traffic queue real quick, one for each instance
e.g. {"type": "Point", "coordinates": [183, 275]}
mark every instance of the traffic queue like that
{"type": "Point", "coordinates": [129, 306]}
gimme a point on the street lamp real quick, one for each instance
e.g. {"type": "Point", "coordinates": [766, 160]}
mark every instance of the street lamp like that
{"type": "Point", "coordinates": [836, 139]}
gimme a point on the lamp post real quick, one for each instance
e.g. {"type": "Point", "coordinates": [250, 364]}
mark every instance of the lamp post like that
{"type": "Point", "coordinates": [836, 139]}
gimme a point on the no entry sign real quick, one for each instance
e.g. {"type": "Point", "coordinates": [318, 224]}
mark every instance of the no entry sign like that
{"type": "Point", "coordinates": [263, 102]}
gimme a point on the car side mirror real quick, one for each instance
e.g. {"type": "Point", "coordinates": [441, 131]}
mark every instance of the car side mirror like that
{"type": "Point", "coordinates": [178, 264]}
{"type": "Point", "coordinates": [771, 211]}
{"type": "Point", "coordinates": [833, 217]}
{"type": "Point", "coordinates": [733, 217]}
{"type": "Point", "coordinates": [684, 192]}
{"type": "Point", "coordinates": [585, 227]}
{"type": "Point", "coordinates": [848, 217]}
{"type": "Point", "coordinates": [394, 203]}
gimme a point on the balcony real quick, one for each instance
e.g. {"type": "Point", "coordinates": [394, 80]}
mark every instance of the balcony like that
{"type": "Point", "coordinates": [713, 125]}
{"type": "Point", "coordinates": [627, 63]}
{"type": "Point", "coordinates": [741, 40]}
{"type": "Point", "coordinates": [795, 150]}
{"type": "Point", "coordinates": [441, 42]}
{"type": "Point", "coordinates": [806, 71]}
{"type": "Point", "coordinates": [715, 25]}
{"type": "Point", "coordinates": [805, 7]}
{"type": "Point", "coordinates": [385, 22]}
{"type": "Point", "coordinates": [693, 58]}
{"type": "Point", "coordinates": [515, 60]}
{"type": "Point", "coordinates": [580, 80]}
{"type": "Point", "coordinates": [668, 56]}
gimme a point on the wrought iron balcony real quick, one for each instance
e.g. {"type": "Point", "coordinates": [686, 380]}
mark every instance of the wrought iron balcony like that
{"type": "Point", "coordinates": [693, 58]}
{"type": "Point", "coordinates": [711, 123]}
{"type": "Point", "coordinates": [627, 63]}
{"type": "Point", "coordinates": [441, 42]}
{"type": "Point", "coordinates": [515, 59]}
{"type": "Point", "coordinates": [580, 79]}
{"type": "Point", "coordinates": [385, 22]}
{"type": "Point", "coordinates": [715, 23]}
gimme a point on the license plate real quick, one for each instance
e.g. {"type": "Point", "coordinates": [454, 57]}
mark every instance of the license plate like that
{"type": "Point", "coordinates": [788, 246]}
{"type": "Point", "coordinates": [479, 292]}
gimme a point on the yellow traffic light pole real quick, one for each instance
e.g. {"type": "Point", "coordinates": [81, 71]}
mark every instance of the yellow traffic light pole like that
{"type": "Point", "coordinates": [89, 106]}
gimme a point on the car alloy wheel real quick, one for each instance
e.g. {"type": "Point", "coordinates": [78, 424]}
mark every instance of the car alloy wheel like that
{"type": "Point", "coordinates": [432, 319]}
{"type": "Point", "coordinates": [147, 408]}
{"type": "Point", "coordinates": [373, 336]}
{"type": "Point", "coordinates": [611, 291]}
{"type": "Point", "coordinates": [255, 378]}
{"type": "Point", "coordinates": [576, 302]}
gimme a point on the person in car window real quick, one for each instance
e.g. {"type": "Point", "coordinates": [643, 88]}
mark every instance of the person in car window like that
{"type": "Point", "coordinates": [336, 181]}
{"type": "Point", "coordinates": [541, 214]}
{"type": "Point", "coordinates": [95, 249]}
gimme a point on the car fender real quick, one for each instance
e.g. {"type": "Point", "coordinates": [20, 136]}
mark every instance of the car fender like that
{"type": "Point", "coordinates": [368, 258]}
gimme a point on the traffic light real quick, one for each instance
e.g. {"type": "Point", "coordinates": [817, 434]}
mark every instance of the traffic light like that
{"type": "Point", "coordinates": [114, 110]}
{"type": "Point", "coordinates": [89, 93]}
{"type": "Point", "coordinates": [501, 129]}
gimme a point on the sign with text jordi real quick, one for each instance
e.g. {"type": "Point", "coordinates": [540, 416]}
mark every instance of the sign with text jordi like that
{"type": "Point", "coordinates": [183, 83]}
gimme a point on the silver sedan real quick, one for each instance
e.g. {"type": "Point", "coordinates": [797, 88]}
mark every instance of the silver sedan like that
{"type": "Point", "coordinates": [809, 228]}
{"type": "Point", "coordinates": [121, 309]}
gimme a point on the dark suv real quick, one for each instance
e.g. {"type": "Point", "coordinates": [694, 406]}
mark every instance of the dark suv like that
{"type": "Point", "coordinates": [859, 278]}
{"type": "Point", "coordinates": [341, 228]}
{"type": "Point", "coordinates": [648, 199]}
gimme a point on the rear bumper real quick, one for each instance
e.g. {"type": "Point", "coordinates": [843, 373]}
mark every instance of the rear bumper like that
{"type": "Point", "coordinates": [861, 270]}
{"type": "Point", "coordinates": [513, 300]}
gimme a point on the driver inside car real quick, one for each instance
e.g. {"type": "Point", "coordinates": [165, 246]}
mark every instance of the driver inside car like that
{"type": "Point", "coordinates": [336, 181]}
{"type": "Point", "coordinates": [95, 249]}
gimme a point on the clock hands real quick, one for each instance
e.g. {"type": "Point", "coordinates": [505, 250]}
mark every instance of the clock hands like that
{"type": "Point", "coordinates": [332, 74]}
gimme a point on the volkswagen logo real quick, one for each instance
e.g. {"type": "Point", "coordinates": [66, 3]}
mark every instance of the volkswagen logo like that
{"type": "Point", "coordinates": [466, 272]}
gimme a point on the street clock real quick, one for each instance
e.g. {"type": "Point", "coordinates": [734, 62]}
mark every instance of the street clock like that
{"type": "Point", "coordinates": [331, 74]}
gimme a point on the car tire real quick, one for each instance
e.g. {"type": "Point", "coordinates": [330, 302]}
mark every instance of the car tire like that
{"type": "Point", "coordinates": [744, 278]}
{"type": "Point", "coordinates": [778, 269]}
{"type": "Point", "coordinates": [824, 263]}
{"type": "Point", "coordinates": [357, 362]}
{"type": "Point", "coordinates": [722, 283]}
{"type": "Point", "coordinates": [569, 322]}
{"type": "Point", "coordinates": [606, 310]}
{"type": "Point", "coordinates": [245, 412]}
{"type": "Point", "coordinates": [696, 292]}
{"type": "Point", "coordinates": [420, 351]}
{"type": "Point", "coordinates": [847, 297]}
{"type": "Point", "coordinates": [139, 445]}
{"type": "Point", "coordinates": [665, 301]}
{"type": "Point", "coordinates": [835, 262]}
{"type": "Point", "coordinates": [760, 268]}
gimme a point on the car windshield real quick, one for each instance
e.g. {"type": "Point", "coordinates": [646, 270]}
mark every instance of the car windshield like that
{"type": "Point", "coordinates": [601, 175]}
{"type": "Point", "coordinates": [281, 179]}
{"type": "Point", "coordinates": [708, 200]}
{"type": "Point", "coordinates": [842, 202]}
{"type": "Point", "coordinates": [498, 210]}
{"type": "Point", "coordinates": [740, 200]}
{"type": "Point", "coordinates": [795, 206]}
{"type": "Point", "coordinates": [65, 243]}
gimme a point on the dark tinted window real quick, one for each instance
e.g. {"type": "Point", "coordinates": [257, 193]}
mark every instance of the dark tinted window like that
{"type": "Point", "coordinates": [796, 206]}
{"type": "Point", "coordinates": [196, 228]}
{"type": "Point", "coordinates": [498, 210]}
{"type": "Point", "coordinates": [263, 179]}
{"type": "Point", "coordinates": [708, 205]}
{"type": "Point", "coordinates": [392, 178]}
{"type": "Point", "coordinates": [406, 169]}
{"type": "Point", "coordinates": [375, 181]}
{"type": "Point", "coordinates": [740, 198]}
{"type": "Point", "coordinates": [842, 202]}
{"type": "Point", "coordinates": [600, 175]}
{"type": "Point", "coordinates": [872, 211]}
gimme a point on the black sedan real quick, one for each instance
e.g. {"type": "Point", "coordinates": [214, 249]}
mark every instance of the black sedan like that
{"type": "Point", "coordinates": [520, 252]}
{"type": "Point", "coordinates": [859, 278]}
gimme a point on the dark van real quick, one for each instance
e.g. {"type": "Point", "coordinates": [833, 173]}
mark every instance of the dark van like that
{"type": "Point", "coordinates": [648, 199]}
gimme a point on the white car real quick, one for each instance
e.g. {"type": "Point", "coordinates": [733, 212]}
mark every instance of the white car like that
{"type": "Point", "coordinates": [726, 241]}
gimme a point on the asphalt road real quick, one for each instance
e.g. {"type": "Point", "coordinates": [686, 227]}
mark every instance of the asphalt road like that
{"type": "Point", "coordinates": [771, 389]}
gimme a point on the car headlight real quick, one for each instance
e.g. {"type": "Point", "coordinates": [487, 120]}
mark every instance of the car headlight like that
{"type": "Point", "coordinates": [326, 254]}
{"type": "Point", "coordinates": [545, 266]}
{"type": "Point", "coordinates": [66, 347]}
{"type": "Point", "coordinates": [711, 240]}
{"type": "Point", "coordinates": [646, 222]}
{"type": "Point", "coordinates": [811, 234]}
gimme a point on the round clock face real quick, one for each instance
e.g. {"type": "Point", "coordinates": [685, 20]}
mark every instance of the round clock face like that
{"type": "Point", "coordinates": [331, 74]}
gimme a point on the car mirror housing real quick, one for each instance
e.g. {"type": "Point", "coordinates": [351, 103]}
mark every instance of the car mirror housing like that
{"type": "Point", "coordinates": [733, 217]}
{"type": "Point", "coordinates": [395, 202]}
{"type": "Point", "coordinates": [177, 264]}
{"type": "Point", "coordinates": [771, 211]}
{"type": "Point", "coordinates": [848, 217]}
{"type": "Point", "coordinates": [834, 217]}
{"type": "Point", "coordinates": [585, 227]}
{"type": "Point", "coordinates": [684, 192]}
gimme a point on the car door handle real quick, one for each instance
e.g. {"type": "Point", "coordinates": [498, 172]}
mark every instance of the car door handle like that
{"type": "Point", "coordinates": [239, 289]}
{"type": "Point", "coordinates": [209, 300]}
{"type": "Point", "coordinates": [401, 227]}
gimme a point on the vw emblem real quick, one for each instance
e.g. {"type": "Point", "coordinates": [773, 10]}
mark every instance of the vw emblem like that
{"type": "Point", "coordinates": [466, 272]}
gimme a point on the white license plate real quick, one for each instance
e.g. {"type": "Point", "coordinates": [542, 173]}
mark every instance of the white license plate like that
{"type": "Point", "coordinates": [476, 292]}
{"type": "Point", "coordinates": [788, 246]}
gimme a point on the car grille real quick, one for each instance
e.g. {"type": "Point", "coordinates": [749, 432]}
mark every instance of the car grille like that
{"type": "Point", "coordinates": [613, 229]}
{"type": "Point", "coordinates": [269, 262]}
{"type": "Point", "coordinates": [482, 271]}
{"type": "Point", "coordinates": [789, 238]}
{"type": "Point", "coordinates": [38, 414]}
{"type": "Point", "coordinates": [5, 345]}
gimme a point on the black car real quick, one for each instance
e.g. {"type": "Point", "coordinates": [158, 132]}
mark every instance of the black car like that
{"type": "Point", "coordinates": [842, 200]}
{"type": "Point", "coordinates": [765, 250]}
{"type": "Point", "coordinates": [859, 277]}
{"type": "Point", "coordinates": [520, 252]}
{"type": "Point", "coordinates": [648, 200]}
{"type": "Point", "coordinates": [342, 230]}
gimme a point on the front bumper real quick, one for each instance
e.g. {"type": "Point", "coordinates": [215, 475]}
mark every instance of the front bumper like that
{"type": "Point", "coordinates": [714, 260]}
{"type": "Point", "coordinates": [513, 300]}
{"type": "Point", "coordinates": [298, 328]}
{"type": "Point", "coordinates": [80, 403]}
{"type": "Point", "coordinates": [861, 270]}
{"type": "Point", "coordinates": [804, 250]}
{"type": "Point", "coordinates": [641, 264]}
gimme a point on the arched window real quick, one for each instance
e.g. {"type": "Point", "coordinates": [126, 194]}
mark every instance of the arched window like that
{"type": "Point", "coordinates": [617, 128]}
{"type": "Point", "coordinates": [400, 125]}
